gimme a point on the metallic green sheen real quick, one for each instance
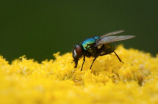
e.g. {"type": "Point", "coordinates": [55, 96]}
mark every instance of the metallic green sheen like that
{"type": "Point", "coordinates": [88, 42]}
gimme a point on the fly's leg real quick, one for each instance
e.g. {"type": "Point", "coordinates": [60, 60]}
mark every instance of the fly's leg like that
{"type": "Point", "coordinates": [93, 62]}
{"type": "Point", "coordinates": [83, 62]}
{"type": "Point", "coordinates": [118, 57]}
{"type": "Point", "coordinates": [95, 58]}
{"type": "Point", "coordinates": [115, 54]}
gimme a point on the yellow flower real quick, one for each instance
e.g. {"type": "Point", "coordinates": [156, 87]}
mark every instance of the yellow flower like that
{"type": "Point", "coordinates": [25, 81]}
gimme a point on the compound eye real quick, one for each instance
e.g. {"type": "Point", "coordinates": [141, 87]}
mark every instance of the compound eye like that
{"type": "Point", "coordinates": [77, 52]}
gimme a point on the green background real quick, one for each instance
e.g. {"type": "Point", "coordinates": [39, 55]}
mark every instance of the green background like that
{"type": "Point", "coordinates": [39, 28]}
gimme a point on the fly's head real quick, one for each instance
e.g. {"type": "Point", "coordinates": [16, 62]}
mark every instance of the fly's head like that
{"type": "Point", "coordinates": [77, 52]}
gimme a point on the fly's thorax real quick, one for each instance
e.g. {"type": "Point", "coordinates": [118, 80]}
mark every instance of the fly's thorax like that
{"type": "Point", "coordinates": [89, 46]}
{"type": "Point", "coordinates": [88, 43]}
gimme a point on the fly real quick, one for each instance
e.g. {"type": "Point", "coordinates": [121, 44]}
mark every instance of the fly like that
{"type": "Point", "coordinates": [98, 46]}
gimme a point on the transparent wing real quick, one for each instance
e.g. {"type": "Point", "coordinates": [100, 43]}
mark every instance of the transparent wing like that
{"type": "Point", "coordinates": [112, 33]}
{"type": "Point", "coordinates": [110, 39]}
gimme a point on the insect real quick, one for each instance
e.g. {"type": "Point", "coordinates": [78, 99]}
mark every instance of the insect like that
{"type": "Point", "coordinates": [97, 46]}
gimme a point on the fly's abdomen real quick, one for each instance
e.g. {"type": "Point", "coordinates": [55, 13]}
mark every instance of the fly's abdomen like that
{"type": "Point", "coordinates": [110, 47]}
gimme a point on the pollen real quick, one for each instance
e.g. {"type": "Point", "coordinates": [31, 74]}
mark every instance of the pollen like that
{"type": "Point", "coordinates": [135, 81]}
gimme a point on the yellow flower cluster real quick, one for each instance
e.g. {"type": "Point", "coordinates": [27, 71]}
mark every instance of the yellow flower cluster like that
{"type": "Point", "coordinates": [25, 81]}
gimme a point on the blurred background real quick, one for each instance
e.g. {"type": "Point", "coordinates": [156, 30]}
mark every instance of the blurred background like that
{"type": "Point", "coordinates": [39, 28]}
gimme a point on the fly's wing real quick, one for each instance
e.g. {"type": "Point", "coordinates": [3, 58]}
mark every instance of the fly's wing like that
{"type": "Point", "coordinates": [111, 39]}
{"type": "Point", "coordinates": [112, 33]}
